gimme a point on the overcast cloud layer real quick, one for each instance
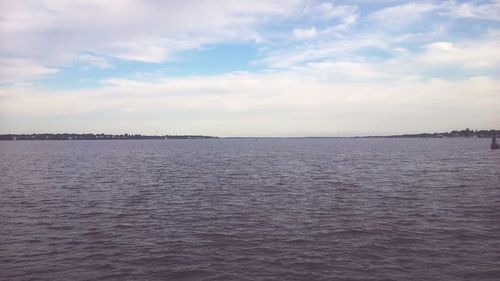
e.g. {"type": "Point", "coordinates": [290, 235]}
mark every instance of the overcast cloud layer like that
{"type": "Point", "coordinates": [249, 68]}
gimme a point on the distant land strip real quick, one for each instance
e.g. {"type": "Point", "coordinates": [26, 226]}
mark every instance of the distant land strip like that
{"type": "Point", "coordinates": [467, 133]}
{"type": "Point", "coordinates": [97, 137]}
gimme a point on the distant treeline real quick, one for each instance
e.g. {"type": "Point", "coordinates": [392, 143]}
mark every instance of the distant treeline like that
{"type": "Point", "coordinates": [467, 133]}
{"type": "Point", "coordinates": [96, 137]}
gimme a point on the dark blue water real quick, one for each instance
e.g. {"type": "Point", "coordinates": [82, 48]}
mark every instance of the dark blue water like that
{"type": "Point", "coordinates": [267, 209]}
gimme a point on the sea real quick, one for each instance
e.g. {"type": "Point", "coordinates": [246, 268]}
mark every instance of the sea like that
{"type": "Point", "coordinates": [250, 209]}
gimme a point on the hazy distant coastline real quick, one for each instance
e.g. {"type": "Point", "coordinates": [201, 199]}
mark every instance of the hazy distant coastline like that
{"type": "Point", "coordinates": [467, 133]}
{"type": "Point", "coordinates": [97, 137]}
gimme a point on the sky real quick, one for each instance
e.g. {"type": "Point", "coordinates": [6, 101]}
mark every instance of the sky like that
{"type": "Point", "coordinates": [249, 67]}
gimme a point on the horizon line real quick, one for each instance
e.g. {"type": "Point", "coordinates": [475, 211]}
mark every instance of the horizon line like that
{"type": "Point", "coordinates": [241, 137]}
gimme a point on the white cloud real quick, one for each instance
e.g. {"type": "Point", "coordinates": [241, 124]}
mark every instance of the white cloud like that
{"type": "Point", "coordinates": [403, 14]}
{"type": "Point", "coordinates": [15, 70]}
{"type": "Point", "coordinates": [328, 11]}
{"type": "Point", "coordinates": [57, 33]}
{"type": "Point", "coordinates": [96, 61]}
{"type": "Point", "coordinates": [467, 55]}
{"type": "Point", "coordinates": [349, 72]}
{"type": "Point", "coordinates": [398, 16]}
{"type": "Point", "coordinates": [304, 33]}
{"type": "Point", "coordinates": [486, 11]}
{"type": "Point", "coordinates": [291, 103]}
{"type": "Point", "coordinates": [325, 49]}
{"type": "Point", "coordinates": [340, 17]}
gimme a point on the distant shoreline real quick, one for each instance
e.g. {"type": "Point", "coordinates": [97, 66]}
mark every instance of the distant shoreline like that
{"type": "Point", "coordinates": [28, 137]}
{"type": "Point", "coordinates": [467, 133]}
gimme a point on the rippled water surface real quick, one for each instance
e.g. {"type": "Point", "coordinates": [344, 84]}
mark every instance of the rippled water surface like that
{"type": "Point", "coordinates": [246, 209]}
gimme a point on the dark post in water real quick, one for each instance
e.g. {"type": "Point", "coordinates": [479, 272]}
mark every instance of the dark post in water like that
{"type": "Point", "coordinates": [494, 144]}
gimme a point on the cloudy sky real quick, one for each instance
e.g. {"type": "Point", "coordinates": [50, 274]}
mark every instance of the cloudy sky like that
{"type": "Point", "coordinates": [249, 68]}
